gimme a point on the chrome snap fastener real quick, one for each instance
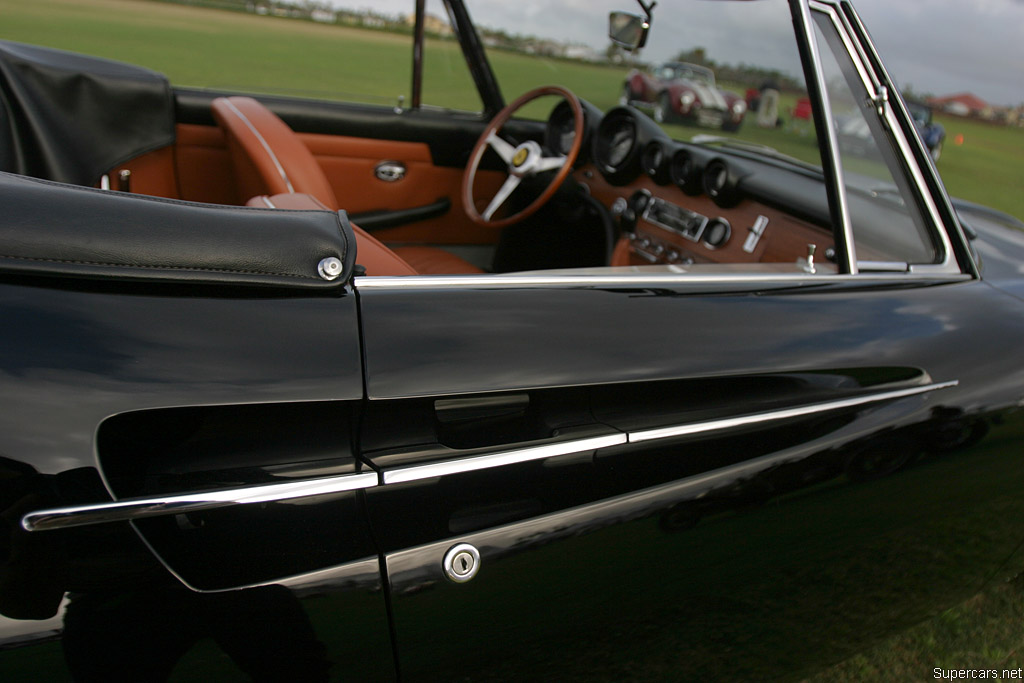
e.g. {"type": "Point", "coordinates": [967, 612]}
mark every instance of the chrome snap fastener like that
{"type": "Point", "coordinates": [330, 268]}
{"type": "Point", "coordinates": [461, 562]}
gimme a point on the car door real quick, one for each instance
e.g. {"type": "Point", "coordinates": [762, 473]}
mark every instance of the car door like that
{"type": "Point", "coordinates": [180, 485]}
{"type": "Point", "coordinates": [721, 478]}
{"type": "Point", "coordinates": [721, 474]}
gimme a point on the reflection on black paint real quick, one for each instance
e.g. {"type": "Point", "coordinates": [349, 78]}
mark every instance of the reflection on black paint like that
{"type": "Point", "coordinates": [762, 570]}
{"type": "Point", "coordinates": [127, 619]}
{"type": "Point", "coordinates": [141, 635]}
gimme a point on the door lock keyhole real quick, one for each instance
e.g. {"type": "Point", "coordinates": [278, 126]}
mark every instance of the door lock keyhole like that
{"type": "Point", "coordinates": [461, 562]}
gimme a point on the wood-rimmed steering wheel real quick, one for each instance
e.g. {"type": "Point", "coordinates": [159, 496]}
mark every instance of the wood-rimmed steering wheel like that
{"type": "Point", "coordinates": [522, 161]}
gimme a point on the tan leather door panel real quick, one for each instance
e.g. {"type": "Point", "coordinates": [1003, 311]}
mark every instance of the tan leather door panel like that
{"type": "Point", "coordinates": [350, 163]}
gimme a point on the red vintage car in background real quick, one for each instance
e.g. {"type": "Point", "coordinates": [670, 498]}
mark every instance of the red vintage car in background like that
{"type": "Point", "coordinates": [685, 92]}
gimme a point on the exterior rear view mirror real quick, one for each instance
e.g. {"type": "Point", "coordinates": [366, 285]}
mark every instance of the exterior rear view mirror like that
{"type": "Point", "coordinates": [629, 31]}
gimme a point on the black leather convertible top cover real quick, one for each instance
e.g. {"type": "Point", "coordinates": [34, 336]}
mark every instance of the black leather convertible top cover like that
{"type": "Point", "coordinates": [72, 118]}
{"type": "Point", "coordinates": [53, 229]}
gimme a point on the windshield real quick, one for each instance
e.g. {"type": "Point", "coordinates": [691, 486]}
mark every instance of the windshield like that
{"type": "Point", "coordinates": [727, 69]}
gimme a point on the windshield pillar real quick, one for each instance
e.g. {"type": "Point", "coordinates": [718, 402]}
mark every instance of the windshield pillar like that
{"type": "Point", "coordinates": [476, 58]}
{"type": "Point", "coordinates": [417, 54]}
{"type": "Point", "coordinates": [846, 256]}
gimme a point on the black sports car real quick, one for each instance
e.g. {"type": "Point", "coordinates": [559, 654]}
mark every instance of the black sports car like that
{"type": "Point", "coordinates": [307, 390]}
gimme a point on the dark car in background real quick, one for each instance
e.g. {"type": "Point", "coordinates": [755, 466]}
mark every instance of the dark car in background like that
{"type": "Point", "coordinates": [684, 93]}
{"type": "Point", "coordinates": [932, 133]}
{"type": "Point", "coordinates": [307, 389]}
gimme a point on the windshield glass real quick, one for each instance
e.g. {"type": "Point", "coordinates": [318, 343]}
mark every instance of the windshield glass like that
{"type": "Point", "coordinates": [727, 69]}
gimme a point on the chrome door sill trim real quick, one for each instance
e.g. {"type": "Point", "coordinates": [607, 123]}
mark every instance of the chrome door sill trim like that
{"type": "Point", "coordinates": [141, 508]}
{"type": "Point", "coordinates": [395, 282]}
{"type": "Point", "coordinates": [500, 459]}
{"type": "Point", "coordinates": [783, 414]}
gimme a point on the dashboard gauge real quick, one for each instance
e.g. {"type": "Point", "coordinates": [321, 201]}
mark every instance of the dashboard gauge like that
{"type": "Point", "coordinates": [686, 172]}
{"type": "Point", "coordinates": [620, 145]}
{"type": "Point", "coordinates": [720, 184]}
{"type": "Point", "coordinates": [619, 142]}
{"type": "Point", "coordinates": [616, 139]}
{"type": "Point", "coordinates": [561, 129]}
{"type": "Point", "coordinates": [655, 162]}
{"type": "Point", "coordinates": [565, 139]}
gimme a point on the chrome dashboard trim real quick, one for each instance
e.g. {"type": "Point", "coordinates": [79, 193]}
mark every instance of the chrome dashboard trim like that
{"type": "Point", "coordinates": [690, 429]}
{"type": "Point", "coordinates": [500, 459]}
{"type": "Point", "coordinates": [141, 508]}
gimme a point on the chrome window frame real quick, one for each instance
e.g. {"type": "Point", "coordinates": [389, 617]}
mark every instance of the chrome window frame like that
{"type": "Point", "coordinates": [751, 280]}
{"type": "Point", "coordinates": [872, 84]}
{"type": "Point", "coordinates": [830, 147]}
{"type": "Point", "coordinates": [925, 164]}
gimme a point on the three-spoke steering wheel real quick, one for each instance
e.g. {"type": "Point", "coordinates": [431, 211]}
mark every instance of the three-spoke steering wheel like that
{"type": "Point", "coordinates": [522, 161]}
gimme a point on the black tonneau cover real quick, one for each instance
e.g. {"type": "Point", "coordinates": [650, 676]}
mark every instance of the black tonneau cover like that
{"type": "Point", "coordinates": [71, 118]}
{"type": "Point", "coordinates": [57, 230]}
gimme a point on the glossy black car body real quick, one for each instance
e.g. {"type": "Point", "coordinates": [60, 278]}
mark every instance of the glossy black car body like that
{"type": "Point", "coordinates": [220, 455]}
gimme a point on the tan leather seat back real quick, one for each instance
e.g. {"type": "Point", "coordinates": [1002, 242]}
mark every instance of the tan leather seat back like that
{"type": "Point", "coordinates": [267, 155]}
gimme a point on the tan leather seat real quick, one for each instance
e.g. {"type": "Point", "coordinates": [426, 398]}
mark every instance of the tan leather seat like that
{"type": "Point", "coordinates": [270, 160]}
{"type": "Point", "coordinates": [267, 155]}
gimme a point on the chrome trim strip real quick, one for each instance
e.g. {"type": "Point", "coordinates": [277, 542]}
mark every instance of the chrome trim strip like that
{"type": "Point", "coordinates": [266, 147]}
{"type": "Point", "coordinates": [784, 414]}
{"type": "Point", "coordinates": [140, 508]}
{"type": "Point", "coordinates": [480, 462]}
{"type": "Point", "coordinates": [629, 281]}
{"type": "Point", "coordinates": [883, 266]}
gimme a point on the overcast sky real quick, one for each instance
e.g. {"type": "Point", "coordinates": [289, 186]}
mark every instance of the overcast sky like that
{"type": "Point", "coordinates": [937, 46]}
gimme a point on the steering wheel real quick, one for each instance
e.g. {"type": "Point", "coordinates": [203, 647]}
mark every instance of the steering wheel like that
{"type": "Point", "coordinates": [522, 161]}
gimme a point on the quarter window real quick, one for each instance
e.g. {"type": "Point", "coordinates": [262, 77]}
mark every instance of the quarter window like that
{"type": "Point", "coordinates": [887, 221]}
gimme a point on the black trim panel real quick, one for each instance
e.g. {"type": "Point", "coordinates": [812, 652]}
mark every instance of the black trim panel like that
{"type": "Point", "coordinates": [379, 220]}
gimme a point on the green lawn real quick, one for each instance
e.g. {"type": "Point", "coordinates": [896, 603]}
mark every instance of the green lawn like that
{"type": "Point", "coordinates": [987, 167]}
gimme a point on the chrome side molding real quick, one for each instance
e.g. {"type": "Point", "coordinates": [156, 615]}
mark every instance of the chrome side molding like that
{"type": "Point", "coordinates": [692, 428]}
{"type": "Point", "coordinates": [141, 508]}
{"type": "Point", "coordinates": [500, 459]}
